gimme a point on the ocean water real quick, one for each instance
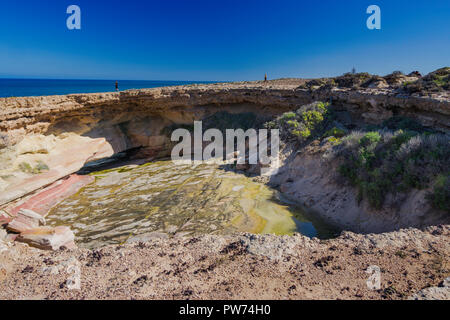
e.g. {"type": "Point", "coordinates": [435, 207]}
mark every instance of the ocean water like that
{"type": "Point", "coordinates": [46, 87]}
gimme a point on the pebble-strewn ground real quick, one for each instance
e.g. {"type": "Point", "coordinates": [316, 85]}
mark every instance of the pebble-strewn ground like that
{"type": "Point", "coordinates": [243, 266]}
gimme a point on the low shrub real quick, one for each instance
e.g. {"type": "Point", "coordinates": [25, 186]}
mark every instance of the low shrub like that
{"type": "Point", "coordinates": [382, 162]}
{"type": "Point", "coordinates": [436, 81]}
{"type": "Point", "coordinates": [334, 141]}
{"type": "Point", "coordinates": [288, 115]}
{"type": "Point", "coordinates": [335, 132]}
{"type": "Point", "coordinates": [307, 122]}
{"type": "Point", "coordinates": [293, 123]}
{"type": "Point", "coordinates": [352, 80]}
{"type": "Point", "coordinates": [440, 195]}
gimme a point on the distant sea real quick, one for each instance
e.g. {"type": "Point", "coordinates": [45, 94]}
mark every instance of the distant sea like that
{"type": "Point", "coordinates": [46, 87]}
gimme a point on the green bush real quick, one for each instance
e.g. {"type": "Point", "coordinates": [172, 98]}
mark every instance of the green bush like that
{"type": "Point", "coordinates": [440, 196]}
{"type": "Point", "coordinates": [271, 125]}
{"type": "Point", "coordinates": [288, 115]}
{"type": "Point", "coordinates": [370, 138]}
{"type": "Point", "coordinates": [296, 133]}
{"type": "Point", "coordinates": [307, 122]}
{"type": "Point", "coordinates": [441, 81]}
{"type": "Point", "coordinates": [312, 118]}
{"type": "Point", "coordinates": [305, 133]}
{"type": "Point", "coordinates": [335, 132]}
{"type": "Point", "coordinates": [293, 123]}
{"type": "Point", "coordinates": [334, 141]}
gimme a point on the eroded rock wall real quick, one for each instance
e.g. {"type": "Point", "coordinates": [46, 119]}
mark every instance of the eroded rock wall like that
{"type": "Point", "coordinates": [76, 113]}
{"type": "Point", "coordinates": [43, 139]}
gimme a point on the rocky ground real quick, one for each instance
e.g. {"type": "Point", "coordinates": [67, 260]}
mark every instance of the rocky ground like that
{"type": "Point", "coordinates": [413, 264]}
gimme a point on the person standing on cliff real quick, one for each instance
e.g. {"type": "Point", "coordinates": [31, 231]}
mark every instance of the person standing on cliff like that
{"type": "Point", "coordinates": [265, 77]}
{"type": "Point", "coordinates": [117, 85]}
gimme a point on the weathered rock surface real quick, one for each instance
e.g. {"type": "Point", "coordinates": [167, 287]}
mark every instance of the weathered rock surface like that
{"type": "Point", "coordinates": [442, 292]}
{"type": "Point", "coordinates": [27, 215]}
{"type": "Point", "coordinates": [2, 234]}
{"type": "Point", "coordinates": [67, 156]}
{"type": "Point", "coordinates": [4, 219]}
{"type": "Point", "coordinates": [48, 238]}
{"type": "Point", "coordinates": [43, 200]}
{"type": "Point", "coordinates": [25, 220]}
{"type": "Point", "coordinates": [3, 240]}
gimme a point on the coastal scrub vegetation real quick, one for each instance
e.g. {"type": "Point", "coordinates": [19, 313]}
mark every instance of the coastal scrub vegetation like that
{"type": "Point", "coordinates": [440, 196]}
{"type": "Point", "coordinates": [310, 121]}
{"type": "Point", "coordinates": [434, 82]}
{"type": "Point", "coordinates": [393, 158]}
{"type": "Point", "coordinates": [335, 132]}
{"type": "Point", "coordinates": [381, 162]}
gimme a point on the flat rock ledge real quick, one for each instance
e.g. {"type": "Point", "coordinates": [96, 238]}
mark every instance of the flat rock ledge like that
{"type": "Point", "coordinates": [413, 264]}
{"type": "Point", "coordinates": [25, 218]}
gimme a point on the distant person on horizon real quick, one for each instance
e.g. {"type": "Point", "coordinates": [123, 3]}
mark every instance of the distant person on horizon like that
{"type": "Point", "coordinates": [265, 77]}
{"type": "Point", "coordinates": [117, 85]}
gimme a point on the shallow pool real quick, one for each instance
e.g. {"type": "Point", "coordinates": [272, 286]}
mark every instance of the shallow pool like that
{"type": "Point", "coordinates": [164, 199]}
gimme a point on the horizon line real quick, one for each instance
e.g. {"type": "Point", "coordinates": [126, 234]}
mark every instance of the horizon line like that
{"type": "Point", "coordinates": [99, 79]}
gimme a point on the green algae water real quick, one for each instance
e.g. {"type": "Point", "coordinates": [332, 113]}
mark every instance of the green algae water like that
{"type": "Point", "coordinates": [163, 199]}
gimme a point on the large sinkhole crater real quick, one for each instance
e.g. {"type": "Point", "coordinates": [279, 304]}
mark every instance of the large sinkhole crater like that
{"type": "Point", "coordinates": [45, 140]}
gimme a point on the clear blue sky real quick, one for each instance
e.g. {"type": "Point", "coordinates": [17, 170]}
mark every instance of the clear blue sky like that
{"type": "Point", "coordinates": [220, 40]}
